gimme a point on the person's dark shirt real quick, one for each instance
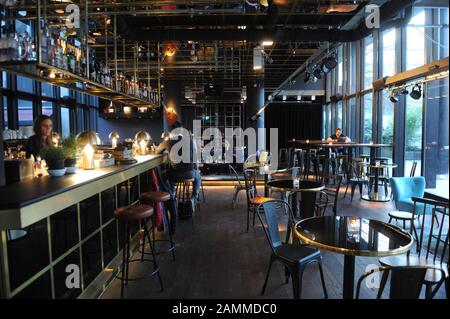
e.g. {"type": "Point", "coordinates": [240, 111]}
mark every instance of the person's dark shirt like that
{"type": "Point", "coordinates": [342, 138]}
{"type": "Point", "coordinates": [34, 146]}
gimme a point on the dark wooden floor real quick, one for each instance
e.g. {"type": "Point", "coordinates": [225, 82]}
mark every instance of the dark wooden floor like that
{"type": "Point", "coordinates": [219, 259]}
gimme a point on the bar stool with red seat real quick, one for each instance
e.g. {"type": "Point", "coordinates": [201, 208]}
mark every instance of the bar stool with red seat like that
{"type": "Point", "coordinates": [128, 215]}
{"type": "Point", "coordinates": [153, 198]}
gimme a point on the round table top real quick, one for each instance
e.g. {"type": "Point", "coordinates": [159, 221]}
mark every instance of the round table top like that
{"type": "Point", "coordinates": [353, 236]}
{"type": "Point", "coordinates": [391, 165]}
{"type": "Point", "coordinates": [288, 185]}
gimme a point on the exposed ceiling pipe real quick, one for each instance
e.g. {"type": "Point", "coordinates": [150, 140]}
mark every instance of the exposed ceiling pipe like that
{"type": "Point", "coordinates": [389, 13]}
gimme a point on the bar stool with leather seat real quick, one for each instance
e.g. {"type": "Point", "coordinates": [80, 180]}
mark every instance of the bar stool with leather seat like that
{"type": "Point", "coordinates": [153, 198]}
{"type": "Point", "coordinates": [140, 214]}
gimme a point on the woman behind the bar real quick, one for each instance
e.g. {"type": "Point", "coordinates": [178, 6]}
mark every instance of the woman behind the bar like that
{"type": "Point", "coordinates": [43, 128]}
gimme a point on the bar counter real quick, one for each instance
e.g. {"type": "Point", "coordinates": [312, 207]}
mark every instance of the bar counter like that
{"type": "Point", "coordinates": [50, 223]}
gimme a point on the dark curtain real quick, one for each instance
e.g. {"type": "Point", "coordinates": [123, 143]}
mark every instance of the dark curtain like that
{"type": "Point", "coordinates": [299, 121]}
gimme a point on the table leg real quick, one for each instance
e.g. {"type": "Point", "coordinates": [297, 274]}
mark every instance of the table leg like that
{"type": "Point", "coordinates": [376, 183]}
{"type": "Point", "coordinates": [349, 277]}
{"type": "Point", "coordinates": [266, 188]}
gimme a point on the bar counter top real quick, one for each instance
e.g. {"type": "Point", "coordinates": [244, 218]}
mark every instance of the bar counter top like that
{"type": "Point", "coordinates": [23, 203]}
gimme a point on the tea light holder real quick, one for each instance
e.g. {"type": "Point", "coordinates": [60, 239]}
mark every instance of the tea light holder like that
{"type": "Point", "coordinates": [114, 137]}
{"type": "Point", "coordinates": [88, 157]}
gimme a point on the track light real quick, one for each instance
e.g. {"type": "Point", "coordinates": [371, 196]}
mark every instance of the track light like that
{"type": "Point", "coordinates": [330, 62]}
{"type": "Point", "coordinates": [317, 73]}
{"type": "Point", "coordinates": [416, 92]}
{"type": "Point", "coordinates": [404, 91]}
{"type": "Point", "coordinates": [393, 98]}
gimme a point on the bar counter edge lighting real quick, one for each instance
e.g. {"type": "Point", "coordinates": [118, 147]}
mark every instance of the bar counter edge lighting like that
{"type": "Point", "coordinates": [59, 238]}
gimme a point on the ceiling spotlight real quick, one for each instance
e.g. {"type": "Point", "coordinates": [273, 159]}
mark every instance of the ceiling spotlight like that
{"type": "Point", "coordinates": [393, 98]}
{"type": "Point", "coordinates": [330, 62]}
{"type": "Point", "coordinates": [404, 91]}
{"type": "Point", "coordinates": [317, 73]}
{"type": "Point", "coordinates": [284, 97]}
{"type": "Point", "coordinates": [267, 43]}
{"type": "Point", "coordinates": [416, 92]}
{"type": "Point", "coordinates": [313, 98]}
{"type": "Point", "coordinates": [299, 97]}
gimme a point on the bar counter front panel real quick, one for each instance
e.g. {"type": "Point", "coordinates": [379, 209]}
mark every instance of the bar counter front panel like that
{"type": "Point", "coordinates": [49, 223]}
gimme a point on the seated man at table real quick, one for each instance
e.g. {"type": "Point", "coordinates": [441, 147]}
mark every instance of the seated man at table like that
{"type": "Point", "coordinates": [338, 137]}
{"type": "Point", "coordinates": [180, 170]}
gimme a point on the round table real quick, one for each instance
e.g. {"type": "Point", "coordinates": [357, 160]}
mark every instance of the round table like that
{"type": "Point", "coordinates": [376, 197]}
{"type": "Point", "coordinates": [308, 190]}
{"type": "Point", "coordinates": [353, 236]}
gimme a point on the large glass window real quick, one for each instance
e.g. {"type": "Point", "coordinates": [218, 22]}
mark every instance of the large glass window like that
{"type": "Point", "coordinates": [340, 70]}
{"type": "Point", "coordinates": [64, 92]}
{"type": "Point", "coordinates": [443, 36]}
{"type": "Point", "coordinates": [47, 108]}
{"type": "Point", "coordinates": [47, 89]}
{"type": "Point", "coordinates": [368, 62]}
{"type": "Point", "coordinates": [339, 115]}
{"type": "Point", "coordinates": [5, 112]}
{"type": "Point", "coordinates": [389, 52]}
{"type": "Point", "coordinates": [413, 134]}
{"type": "Point", "coordinates": [4, 80]}
{"type": "Point", "coordinates": [25, 84]}
{"type": "Point", "coordinates": [25, 112]}
{"type": "Point", "coordinates": [415, 40]}
{"type": "Point", "coordinates": [387, 136]}
{"type": "Point", "coordinates": [352, 119]}
{"type": "Point", "coordinates": [65, 122]}
{"type": "Point", "coordinates": [352, 68]}
{"type": "Point", "coordinates": [367, 133]}
{"type": "Point", "coordinates": [437, 136]}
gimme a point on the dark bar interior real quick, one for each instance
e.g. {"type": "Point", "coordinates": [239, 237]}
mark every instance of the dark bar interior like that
{"type": "Point", "coordinates": [224, 149]}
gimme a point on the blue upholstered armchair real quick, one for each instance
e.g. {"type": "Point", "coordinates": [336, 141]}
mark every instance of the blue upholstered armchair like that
{"type": "Point", "coordinates": [404, 188]}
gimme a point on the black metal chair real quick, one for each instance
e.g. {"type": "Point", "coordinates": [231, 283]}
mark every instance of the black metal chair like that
{"type": "Point", "coordinates": [429, 250]}
{"type": "Point", "coordinates": [294, 257]}
{"type": "Point", "coordinates": [253, 199]}
{"type": "Point", "coordinates": [239, 186]}
{"type": "Point", "coordinates": [406, 281]}
{"type": "Point", "coordinates": [357, 179]}
{"type": "Point", "coordinates": [332, 192]}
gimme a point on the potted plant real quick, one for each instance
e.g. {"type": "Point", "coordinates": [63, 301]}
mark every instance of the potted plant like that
{"type": "Point", "coordinates": [70, 148]}
{"type": "Point", "coordinates": [54, 157]}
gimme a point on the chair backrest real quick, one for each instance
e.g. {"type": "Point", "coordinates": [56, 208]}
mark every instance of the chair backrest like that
{"type": "Point", "coordinates": [332, 190]}
{"type": "Point", "coordinates": [235, 174]}
{"type": "Point", "coordinates": [407, 187]}
{"type": "Point", "coordinates": [406, 281]}
{"type": "Point", "coordinates": [413, 169]}
{"type": "Point", "coordinates": [250, 184]}
{"type": "Point", "coordinates": [269, 214]}
{"type": "Point", "coordinates": [433, 242]}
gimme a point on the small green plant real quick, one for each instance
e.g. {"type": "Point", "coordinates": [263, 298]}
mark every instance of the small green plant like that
{"type": "Point", "coordinates": [70, 147]}
{"type": "Point", "coordinates": [54, 156]}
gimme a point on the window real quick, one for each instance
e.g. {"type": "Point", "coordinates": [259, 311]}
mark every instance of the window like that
{"type": "Point", "coordinates": [437, 137]}
{"type": "Point", "coordinates": [25, 84]}
{"type": "Point", "coordinates": [389, 52]}
{"type": "Point", "coordinates": [25, 112]}
{"type": "Point", "coordinates": [47, 90]}
{"type": "Point", "coordinates": [339, 115]}
{"type": "Point", "coordinates": [352, 68]}
{"type": "Point", "coordinates": [65, 122]}
{"type": "Point", "coordinates": [367, 136]}
{"type": "Point", "coordinates": [5, 112]}
{"type": "Point", "coordinates": [340, 74]}
{"type": "Point", "coordinates": [324, 121]}
{"type": "Point", "coordinates": [47, 108]}
{"type": "Point", "coordinates": [413, 134]}
{"type": "Point", "coordinates": [387, 136]}
{"type": "Point", "coordinates": [80, 119]}
{"type": "Point", "coordinates": [352, 118]}
{"type": "Point", "coordinates": [368, 62]}
{"type": "Point", "coordinates": [442, 41]}
{"type": "Point", "coordinates": [64, 92]}
{"type": "Point", "coordinates": [328, 120]}
{"type": "Point", "coordinates": [415, 40]}
{"type": "Point", "coordinates": [4, 80]}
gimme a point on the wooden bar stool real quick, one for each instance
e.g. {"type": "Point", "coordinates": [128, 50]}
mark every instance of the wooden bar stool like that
{"type": "Point", "coordinates": [153, 198]}
{"type": "Point", "coordinates": [128, 215]}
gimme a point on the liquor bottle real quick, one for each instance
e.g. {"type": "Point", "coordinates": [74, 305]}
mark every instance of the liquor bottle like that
{"type": "Point", "coordinates": [45, 38]}
{"type": "Point", "coordinates": [25, 46]}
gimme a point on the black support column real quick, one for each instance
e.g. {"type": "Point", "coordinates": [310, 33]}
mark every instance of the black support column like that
{"type": "Point", "coordinates": [255, 101]}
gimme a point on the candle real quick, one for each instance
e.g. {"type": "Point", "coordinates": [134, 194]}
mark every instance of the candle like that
{"type": "Point", "coordinates": [88, 157]}
{"type": "Point", "coordinates": [55, 142]}
{"type": "Point", "coordinates": [114, 142]}
{"type": "Point", "coordinates": [143, 147]}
